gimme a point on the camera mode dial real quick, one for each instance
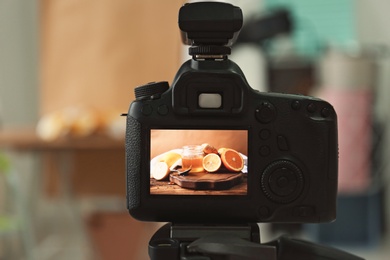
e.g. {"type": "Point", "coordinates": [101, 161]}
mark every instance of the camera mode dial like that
{"type": "Point", "coordinates": [282, 181]}
{"type": "Point", "coordinates": [151, 90]}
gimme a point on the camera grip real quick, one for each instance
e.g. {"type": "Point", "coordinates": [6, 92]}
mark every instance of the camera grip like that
{"type": "Point", "coordinates": [133, 162]}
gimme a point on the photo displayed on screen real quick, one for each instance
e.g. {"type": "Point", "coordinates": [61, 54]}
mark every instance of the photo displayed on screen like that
{"type": "Point", "coordinates": [198, 162]}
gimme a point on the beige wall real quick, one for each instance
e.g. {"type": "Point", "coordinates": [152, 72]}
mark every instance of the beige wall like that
{"type": "Point", "coordinates": [18, 63]}
{"type": "Point", "coordinates": [93, 53]}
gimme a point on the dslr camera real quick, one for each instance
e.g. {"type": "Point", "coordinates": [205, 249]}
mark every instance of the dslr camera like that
{"type": "Point", "coordinates": [211, 149]}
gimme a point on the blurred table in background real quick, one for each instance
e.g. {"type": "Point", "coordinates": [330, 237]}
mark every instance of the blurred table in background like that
{"type": "Point", "coordinates": [85, 159]}
{"type": "Point", "coordinates": [84, 177]}
{"type": "Point", "coordinates": [25, 139]}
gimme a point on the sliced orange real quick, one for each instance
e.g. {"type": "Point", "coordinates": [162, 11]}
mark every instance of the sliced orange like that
{"type": "Point", "coordinates": [212, 162]}
{"type": "Point", "coordinates": [232, 160]}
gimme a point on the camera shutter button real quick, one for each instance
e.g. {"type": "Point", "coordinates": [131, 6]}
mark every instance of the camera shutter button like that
{"type": "Point", "coordinates": [265, 112]}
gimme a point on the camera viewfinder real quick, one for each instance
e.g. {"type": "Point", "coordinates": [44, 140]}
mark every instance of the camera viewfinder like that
{"type": "Point", "coordinates": [210, 100]}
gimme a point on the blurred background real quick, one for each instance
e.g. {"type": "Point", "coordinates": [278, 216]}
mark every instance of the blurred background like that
{"type": "Point", "coordinates": [68, 70]}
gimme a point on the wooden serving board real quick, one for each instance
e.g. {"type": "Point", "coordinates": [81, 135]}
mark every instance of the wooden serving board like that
{"type": "Point", "coordinates": [207, 181]}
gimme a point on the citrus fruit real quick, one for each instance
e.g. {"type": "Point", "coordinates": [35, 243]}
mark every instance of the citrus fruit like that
{"type": "Point", "coordinates": [209, 149]}
{"type": "Point", "coordinates": [170, 158]}
{"type": "Point", "coordinates": [221, 150]}
{"type": "Point", "coordinates": [212, 162]}
{"type": "Point", "coordinates": [161, 169]}
{"type": "Point", "coordinates": [232, 160]}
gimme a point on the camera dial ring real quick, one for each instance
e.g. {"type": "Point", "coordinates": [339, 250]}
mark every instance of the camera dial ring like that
{"type": "Point", "coordinates": [282, 182]}
{"type": "Point", "coordinates": [151, 90]}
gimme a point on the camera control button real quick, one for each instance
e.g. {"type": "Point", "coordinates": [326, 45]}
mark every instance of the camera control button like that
{"type": "Point", "coordinates": [282, 143]}
{"type": "Point", "coordinates": [311, 108]}
{"type": "Point", "coordinates": [265, 112]}
{"type": "Point", "coordinates": [264, 150]}
{"type": "Point", "coordinates": [296, 105]}
{"type": "Point", "coordinates": [325, 112]}
{"type": "Point", "coordinates": [163, 110]}
{"type": "Point", "coordinates": [146, 110]}
{"type": "Point", "coordinates": [264, 134]}
{"type": "Point", "coordinates": [282, 181]}
{"type": "Point", "coordinates": [151, 90]}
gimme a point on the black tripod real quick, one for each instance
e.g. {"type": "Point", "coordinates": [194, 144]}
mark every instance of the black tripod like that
{"type": "Point", "coordinates": [233, 242]}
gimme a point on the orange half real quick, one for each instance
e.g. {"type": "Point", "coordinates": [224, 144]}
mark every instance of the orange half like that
{"type": "Point", "coordinates": [232, 160]}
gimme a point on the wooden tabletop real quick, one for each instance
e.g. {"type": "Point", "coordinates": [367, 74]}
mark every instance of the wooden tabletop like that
{"type": "Point", "coordinates": [26, 139]}
{"type": "Point", "coordinates": [169, 188]}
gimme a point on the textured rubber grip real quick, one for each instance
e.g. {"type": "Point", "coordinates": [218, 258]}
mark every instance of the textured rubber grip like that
{"type": "Point", "coordinates": [133, 162]}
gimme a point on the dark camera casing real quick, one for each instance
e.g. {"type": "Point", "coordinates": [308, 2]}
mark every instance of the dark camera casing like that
{"type": "Point", "coordinates": [292, 146]}
{"type": "Point", "coordinates": [292, 149]}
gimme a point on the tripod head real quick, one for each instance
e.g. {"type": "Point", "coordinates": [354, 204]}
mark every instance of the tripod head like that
{"type": "Point", "coordinates": [233, 242]}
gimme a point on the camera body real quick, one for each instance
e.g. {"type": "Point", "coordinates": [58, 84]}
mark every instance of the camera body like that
{"type": "Point", "coordinates": [290, 148]}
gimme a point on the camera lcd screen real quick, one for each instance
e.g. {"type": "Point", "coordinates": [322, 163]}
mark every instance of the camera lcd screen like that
{"type": "Point", "coordinates": [198, 162]}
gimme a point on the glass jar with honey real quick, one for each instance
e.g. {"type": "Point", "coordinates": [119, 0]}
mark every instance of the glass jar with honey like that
{"type": "Point", "coordinates": [192, 156]}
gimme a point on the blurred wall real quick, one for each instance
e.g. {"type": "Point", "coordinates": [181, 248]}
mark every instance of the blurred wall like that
{"type": "Point", "coordinates": [372, 21]}
{"type": "Point", "coordinates": [18, 62]}
{"type": "Point", "coordinates": [374, 30]}
{"type": "Point", "coordinates": [94, 53]}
